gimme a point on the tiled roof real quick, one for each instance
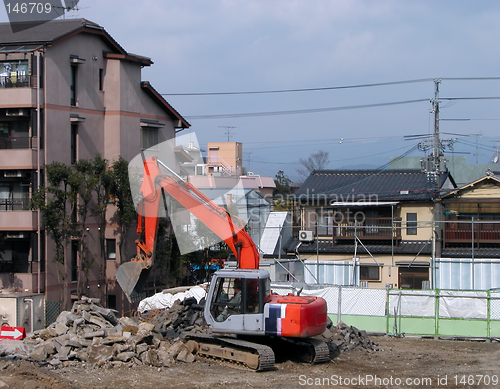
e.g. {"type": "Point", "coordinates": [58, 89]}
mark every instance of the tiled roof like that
{"type": "Point", "coordinates": [467, 253]}
{"type": "Point", "coordinates": [326, 247]}
{"type": "Point", "coordinates": [52, 31]}
{"type": "Point", "coordinates": [365, 185]}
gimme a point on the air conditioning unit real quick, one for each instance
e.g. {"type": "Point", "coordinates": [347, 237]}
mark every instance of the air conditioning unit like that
{"type": "Point", "coordinates": [306, 236]}
{"type": "Point", "coordinates": [17, 112]}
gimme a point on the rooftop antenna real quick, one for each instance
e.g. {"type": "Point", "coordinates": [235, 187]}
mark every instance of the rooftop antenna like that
{"type": "Point", "coordinates": [477, 144]}
{"type": "Point", "coordinates": [69, 5]}
{"type": "Point", "coordinates": [496, 157]}
{"type": "Point", "coordinates": [228, 131]}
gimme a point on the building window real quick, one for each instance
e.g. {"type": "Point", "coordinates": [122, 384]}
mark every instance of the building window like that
{"type": "Point", "coordinates": [111, 249]}
{"type": "Point", "coordinates": [369, 273]}
{"type": "Point", "coordinates": [74, 143]}
{"type": "Point", "coordinates": [74, 261]}
{"type": "Point", "coordinates": [411, 224]}
{"type": "Point", "coordinates": [73, 84]}
{"type": "Point", "coordinates": [149, 138]}
{"type": "Point", "coordinates": [101, 79]}
{"type": "Point", "coordinates": [111, 301]}
{"type": "Point", "coordinates": [413, 277]}
{"type": "Point", "coordinates": [14, 74]}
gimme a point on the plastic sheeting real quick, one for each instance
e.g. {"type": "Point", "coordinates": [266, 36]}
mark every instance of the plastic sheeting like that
{"type": "Point", "coordinates": [463, 305]}
{"type": "Point", "coordinates": [412, 303]}
{"type": "Point", "coordinates": [166, 300]}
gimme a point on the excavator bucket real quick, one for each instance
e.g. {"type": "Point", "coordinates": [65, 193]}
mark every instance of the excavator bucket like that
{"type": "Point", "coordinates": [132, 276]}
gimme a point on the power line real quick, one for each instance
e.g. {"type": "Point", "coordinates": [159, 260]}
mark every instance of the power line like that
{"type": "Point", "coordinates": [300, 90]}
{"type": "Point", "coordinates": [376, 84]}
{"type": "Point", "coordinates": [302, 111]}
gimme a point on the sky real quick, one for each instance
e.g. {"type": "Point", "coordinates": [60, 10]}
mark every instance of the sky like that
{"type": "Point", "coordinates": [320, 64]}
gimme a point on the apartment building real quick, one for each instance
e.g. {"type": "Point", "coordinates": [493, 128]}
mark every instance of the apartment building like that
{"type": "Point", "coordinates": [68, 91]}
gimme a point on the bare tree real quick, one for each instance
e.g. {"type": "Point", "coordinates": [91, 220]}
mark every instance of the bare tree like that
{"type": "Point", "coordinates": [316, 161]}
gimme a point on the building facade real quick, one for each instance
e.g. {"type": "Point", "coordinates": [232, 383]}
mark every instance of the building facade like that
{"type": "Point", "coordinates": [68, 91]}
{"type": "Point", "coordinates": [372, 228]}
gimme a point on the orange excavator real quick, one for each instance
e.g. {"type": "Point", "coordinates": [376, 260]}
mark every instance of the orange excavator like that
{"type": "Point", "coordinates": [247, 319]}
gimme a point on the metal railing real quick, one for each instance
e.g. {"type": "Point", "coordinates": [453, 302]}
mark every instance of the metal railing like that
{"type": "Point", "coordinates": [15, 142]}
{"type": "Point", "coordinates": [15, 204]}
{"type": "Point", "coordinates": [17, 81]}
{"type": "Point", "coordinates": [468, 231]}
{"type": "Point", "coordinates": [368, 228]}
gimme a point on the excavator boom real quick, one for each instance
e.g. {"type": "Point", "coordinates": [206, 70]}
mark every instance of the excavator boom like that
{"type": "Point", "coordinates": [132, 275]}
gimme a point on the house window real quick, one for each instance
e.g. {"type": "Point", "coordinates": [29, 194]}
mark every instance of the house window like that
{"type": "Point", "coordinates": [412, 277]}
{"type": "Point", "coordinates": [74, 143]}
{"type": "Point", "coordinates": [369, 273]}
{"type": "Point", "coordinates": [111, 249]}
{"type": "Point", "coordinates": [149, 138]}
{"type": "Point", "coordinates": [411, 224]}
{"type": "Point", "coordinates": [73, 84]}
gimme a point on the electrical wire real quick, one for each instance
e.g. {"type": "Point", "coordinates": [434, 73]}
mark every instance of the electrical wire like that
{"type": "Point", "coordinates": [301, 90]}
{"type": "Point", "coordinates": [302, 111]}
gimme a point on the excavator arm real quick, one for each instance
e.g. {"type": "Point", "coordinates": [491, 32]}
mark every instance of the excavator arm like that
{"type": "Point", "coordinates": [132, 275]}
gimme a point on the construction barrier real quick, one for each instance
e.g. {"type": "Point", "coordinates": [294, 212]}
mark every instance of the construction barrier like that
{"type": "Point", "coordinates": [447, 313]}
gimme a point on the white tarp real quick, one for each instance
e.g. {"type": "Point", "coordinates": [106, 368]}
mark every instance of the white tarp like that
{"type": "Point", "coordinates": [363, 302]}
{"type": "Point", "coordinates": [166, 300]}
{"type": "Point", "coordinates": [463, 305]}
{"type": "Point", "coordinates": [412, 303]}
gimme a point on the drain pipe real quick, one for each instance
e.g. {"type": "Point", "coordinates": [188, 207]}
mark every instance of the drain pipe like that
{"type": "Point", "coordinates": [32, 311]}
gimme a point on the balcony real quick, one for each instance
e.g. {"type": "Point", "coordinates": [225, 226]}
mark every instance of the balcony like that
{"type": "Point", "coordinates": [460, 232]}
{"type": "Point", "coordinates": [16, 220]}
{"type": "Point", "coordinates": [381, 228]}
{"type": "Point", "coordinates": [20, 92]}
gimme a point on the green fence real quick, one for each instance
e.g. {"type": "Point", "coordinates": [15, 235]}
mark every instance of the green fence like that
{"type": "Point", "coordinates": [447, 313]}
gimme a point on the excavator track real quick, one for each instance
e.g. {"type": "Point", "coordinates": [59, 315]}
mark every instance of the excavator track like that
{"type": "Point", "coordinates": [308, 350]}
{"type": "Point", "coordinates": [254, 356]}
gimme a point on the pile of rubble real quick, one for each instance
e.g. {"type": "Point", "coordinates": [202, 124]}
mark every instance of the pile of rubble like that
{"type": "Point", "coordinates": [92, 334]}
{"type": "Point", "coordinates": [183, 316]}
{"type": "Point", "coordinates": [344, 338]}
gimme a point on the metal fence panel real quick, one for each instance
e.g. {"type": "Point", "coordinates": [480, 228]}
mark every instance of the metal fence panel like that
{"type": "Point", "coordinates": [363, 301]}
{"type": "Point", "coordinates": [463, 305]}
{"type": "Point", "coordinates": [412, 303]}
{"type": "Point", "coordinates": [495, 305]}
{"type": "Point", "coordinates": [52, 310]}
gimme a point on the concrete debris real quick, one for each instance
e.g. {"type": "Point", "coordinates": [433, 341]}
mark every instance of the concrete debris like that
{"type": "Point", "coordinates": [93, 335]}
{"type": "Point", "coordinates": [344, 338]}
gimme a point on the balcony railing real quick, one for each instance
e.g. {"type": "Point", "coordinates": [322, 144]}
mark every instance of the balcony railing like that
{"type": "Point", "coordinates": [15, 204]}
{"type": "Point", "coordinates": [462, 232]}
{"type": "Point", "coordinates": [16, 142]}
{"type": "Point", "coordinates": [16, 81]}
{"type": "Point", "coordinates": [381, 228]}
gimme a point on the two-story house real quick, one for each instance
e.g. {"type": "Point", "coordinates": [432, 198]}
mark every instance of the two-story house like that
{"type": "Point", "coordinates": [368, 227]}
{"type": "Point", "coordinates": [68, 91]}
{"type": "Point", "coordinates": [470, 233]}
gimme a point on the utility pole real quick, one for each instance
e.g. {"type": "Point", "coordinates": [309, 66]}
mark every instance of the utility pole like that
{"type": "Point", "coordinates": [228, 131]}
{"type": "Point", "coordinates": [436, 145]}
{"type": "Point", "coordinates": [435, 174]}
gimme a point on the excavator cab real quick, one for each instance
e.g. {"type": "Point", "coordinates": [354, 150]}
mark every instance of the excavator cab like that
{"type": "Point", "coordinates": [236, 299]}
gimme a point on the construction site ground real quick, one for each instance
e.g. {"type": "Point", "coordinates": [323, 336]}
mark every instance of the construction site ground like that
{"type": "Point", "coordinates": [399, 362]}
